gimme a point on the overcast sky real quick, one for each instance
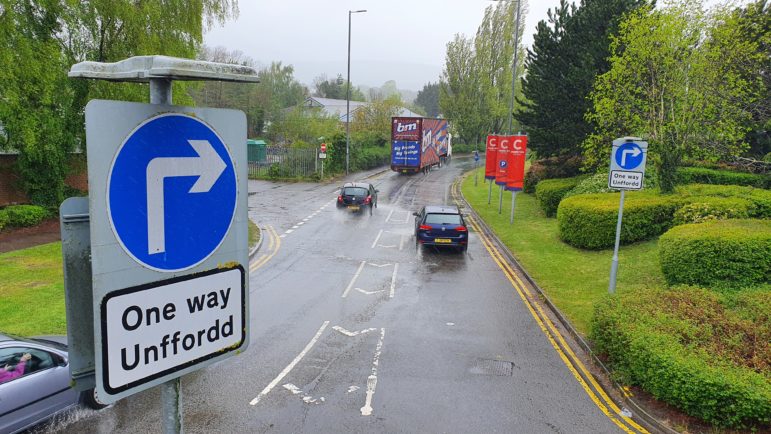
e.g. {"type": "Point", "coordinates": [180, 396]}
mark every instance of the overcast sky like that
{"type": "Point", "coordinates": [401, 40]}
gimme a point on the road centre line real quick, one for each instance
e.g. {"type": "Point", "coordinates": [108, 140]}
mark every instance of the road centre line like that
{"type": "Point", "coordinates": [550, 331]}
{"type": "Point", "coordinates": [289, 231]}
{"type": "Point", "coordinates": [355, 276]}
{"type": "Point", "coordinates": [393, 281]}
{"type": "Point", "coordinates": [377, 238]}
{"type": "Point", "coordinates": [291, 365]}
{"type": "Point", "coordinates": [372, 379]}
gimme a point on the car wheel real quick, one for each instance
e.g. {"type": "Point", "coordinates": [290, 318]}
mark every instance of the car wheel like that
{"type": "Point", "coordinates": [88, 398]}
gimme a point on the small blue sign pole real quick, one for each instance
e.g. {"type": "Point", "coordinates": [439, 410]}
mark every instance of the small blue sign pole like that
{"type": "Point", "coordinates": [476, 166]}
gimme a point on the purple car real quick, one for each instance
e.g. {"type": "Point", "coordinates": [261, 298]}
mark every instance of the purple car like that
{"type": "Point", "coordinates": [40, 388]}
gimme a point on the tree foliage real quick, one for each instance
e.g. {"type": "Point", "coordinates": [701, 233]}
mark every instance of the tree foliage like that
{"type": "Point", "coordinates": [428, 99]}
{"type": "Point", "coordinates": [335, 88]}
{"type": "Point", "coordinates": [372, 123]}
{"type": "Point", "coordinates": [677, 78]}
{"type": "Point", "coordinates": [570, 49]}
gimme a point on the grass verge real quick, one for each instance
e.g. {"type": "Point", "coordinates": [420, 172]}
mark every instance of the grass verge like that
{"type": "Point", "coordinates": [574, 279]}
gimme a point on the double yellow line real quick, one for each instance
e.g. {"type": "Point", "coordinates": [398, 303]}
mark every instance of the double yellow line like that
{"type": "Point", "coordinates": [573, 363]}
{"type": "Point", "coordinates": [274, 244]}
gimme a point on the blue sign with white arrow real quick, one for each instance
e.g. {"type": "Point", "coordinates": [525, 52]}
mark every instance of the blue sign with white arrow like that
{"type": "Point", "coordinates": [629, 156]}
{"type": "Point", "coordinates": [171, 193]}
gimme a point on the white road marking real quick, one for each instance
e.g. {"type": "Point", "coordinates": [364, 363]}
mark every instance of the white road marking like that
{"type": "Point", "coordinates": [378, 265]}
{"type": "Point", "coordinates": [295, 227]}
{"type": "Point", "coordinates": [308, 399]}
{"type": "Point", "coordinates": [355, 276]}
{"type": "Point", "coordinates": [352, 334]}
{"type": "Point", "coordinates": [389, 216]}
{"type": "Point", "coordinates": [282, 236]}
{"type": "Point", "coordinates": [372, 379]}
{"type": "Point", "coordinates": [291, 366]}
{"type": "Point", "coordinates": [450, 323]}
{"type": "Point", "coordinates": [307, 218]}
{"type": "Point", "coordinates": [401, 242]}
{"type": "Point", "coordinates": [365, 292]}
{"type": "Point", "coordinates": [289, 231]}
{"type": "Point", "coordinates": [353, 389]}
{"type": "Point", "coordinates": [388, 246]}
{"type": "Point", "coordinates": [377, 238]}
{"type": "Point", "coordinates": [300, 223]}
{"type": "Point", "coordinates": [393, 281]}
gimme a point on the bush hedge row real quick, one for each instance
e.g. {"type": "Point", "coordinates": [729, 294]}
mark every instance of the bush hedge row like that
{"type": "Point", "coordinates": [24, 215]}
{"type": "Point", "coordinates": [550, 168]}
{"type": "Point", "coordinates": [726, 253]}
{"type": "Point", "coordinates": [686, 348]}
{"type": "Point", "coordinates": [3, 218]}
{"type": "Point", "coordinates": [550, 192]}
{"type": "Point", "coordinates": [702, 175]}
{"type": "Point", "coordinates": [588, 221]}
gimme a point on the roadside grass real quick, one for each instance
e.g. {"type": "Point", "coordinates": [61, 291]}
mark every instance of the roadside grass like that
{"type": "Point", "coordinates": [32, 291]}
{"type": "Point", "coordinates": [574, 279]}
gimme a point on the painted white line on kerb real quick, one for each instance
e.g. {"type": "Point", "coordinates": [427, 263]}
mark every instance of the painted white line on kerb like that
{"type": "Point", "coordinates": [389, 216]}
{"type": "Point", "coordinates": [377, 238]}
{"type": "Point", "coordinates": [372, 379]}
{"type": "Point", "coordinates": [355, 276]}
{"type": "Point", "coordinates": [393, 281]}
{"type": "Point", "coordinates": [291, 366]}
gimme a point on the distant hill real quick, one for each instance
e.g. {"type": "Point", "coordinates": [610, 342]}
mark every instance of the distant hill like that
{"type": "Point", "coordinates": [387, 89]}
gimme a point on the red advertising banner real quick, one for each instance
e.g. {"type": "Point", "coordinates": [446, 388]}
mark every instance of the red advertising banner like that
{"type": "Point", "coordinates": [491, 156]}
{"type": "Point", "coordinates": [518, 145]}
{"type": "Point", "coordinates": [502, 165]}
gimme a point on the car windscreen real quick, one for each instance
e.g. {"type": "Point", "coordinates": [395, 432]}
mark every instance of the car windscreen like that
{"type": "Point", "coordinates": [443, 219]}
{"type": "Point", "coordinates": [354, 191]}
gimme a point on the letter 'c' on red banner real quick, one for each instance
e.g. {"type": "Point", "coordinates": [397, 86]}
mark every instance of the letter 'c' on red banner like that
{"type": "Point", "coordinates": [491, 156]}
{"type": "Point", "coordinates": [516, 172]}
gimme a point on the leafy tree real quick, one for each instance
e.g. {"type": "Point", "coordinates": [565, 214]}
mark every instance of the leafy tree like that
{"type": "Point", "coordinates": [372, 123]}
{"type": "Point", "coordinates": [570, 49]}
{"type": "Point", "coordinates": [428, 99]}
{"type": "Point", "coordinates": [675, 79]}
{"type": "Point", "coordinates": [302, 126]}
{"type": "Point", "coordinates": [460, 96]}
{"type": "Point", "coordinates": [335, 88]}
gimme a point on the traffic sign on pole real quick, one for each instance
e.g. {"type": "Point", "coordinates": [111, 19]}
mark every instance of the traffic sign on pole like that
{"type": "Point", "coordinates": [627, 163]}
{"type": "Point", "coordinates": [323, 148]}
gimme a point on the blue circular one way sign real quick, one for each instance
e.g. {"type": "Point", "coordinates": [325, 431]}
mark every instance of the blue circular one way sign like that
{"type": "Point", "coordinates": [629, 156]}
{"type": "Point", "coordinates": [171, 192]}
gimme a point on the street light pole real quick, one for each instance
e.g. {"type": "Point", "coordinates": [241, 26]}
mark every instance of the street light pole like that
{"type": "Point", "coordinates": [348, 96]}
{"type": "Point", "coordinates": [514, 66]}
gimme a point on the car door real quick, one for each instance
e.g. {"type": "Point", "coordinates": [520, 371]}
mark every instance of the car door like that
{"type": "Point", "coordinates": [41, 391]}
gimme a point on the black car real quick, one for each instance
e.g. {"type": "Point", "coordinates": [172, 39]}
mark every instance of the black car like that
{"type": "Point", "coordinates": [357, 196]}
{"type": "Point", "coordinates": [442, 226]}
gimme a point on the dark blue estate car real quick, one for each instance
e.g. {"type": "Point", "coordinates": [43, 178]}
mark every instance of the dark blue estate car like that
{"type": "Point", "coordinates": [442, 226]}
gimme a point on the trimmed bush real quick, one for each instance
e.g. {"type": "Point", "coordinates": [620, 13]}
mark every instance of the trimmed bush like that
{"type": "Point", "coordinates": [714, 208]}
{"type": "Point", "coordinates": [25, 215]}
{"type": "Point", "coordinates": [760, 198]}
{"type": "Point", "coordinates": [687, 348]}
{"type": "Point", "coordinates": [3, 218]}
{"type": "Point", "coordinates": [588, 221]}
{"type": "Point", "coordinates": [598, 183]}
{"type": "Point", "coordinates": [724, 254]}
{"type": "Point", "coordinates": [551, 168]}
{"type": "Point", "coordinates": [701, 175]}
{"type": "Point", "coordinates": [550, 192]}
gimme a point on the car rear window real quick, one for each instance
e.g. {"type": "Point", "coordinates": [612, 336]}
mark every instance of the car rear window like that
{"type": "Point", "coordinates": [354, 191]}
{"type": "Point", "coordinates": [443, 219]}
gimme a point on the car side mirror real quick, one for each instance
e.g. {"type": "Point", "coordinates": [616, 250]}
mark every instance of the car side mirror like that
{"type": "Point", "coordinates": [415, 214]}
{"type": "Point", "coordinates": [377, 191]}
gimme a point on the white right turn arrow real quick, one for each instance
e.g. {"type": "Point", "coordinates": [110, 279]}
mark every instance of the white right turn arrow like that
{"type": "Point", "coordinates": [635, 152]}
{"type": "Point", "coordinates": [207, 166]}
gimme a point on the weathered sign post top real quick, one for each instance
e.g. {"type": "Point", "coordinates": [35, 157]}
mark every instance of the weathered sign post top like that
{"type": "Point", "coordinates": [158, 246]}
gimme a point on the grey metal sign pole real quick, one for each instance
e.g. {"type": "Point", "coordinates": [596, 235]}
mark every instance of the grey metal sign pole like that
{"type": "Point", "coordinates": [500, 199]}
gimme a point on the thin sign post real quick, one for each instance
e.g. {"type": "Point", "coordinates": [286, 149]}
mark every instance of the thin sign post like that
{"type": "Point", "coordinates": [502, 167]}
{"type": "Point", "coordinates": [627, 171]}
{"type": "Point", "coordinates": [516, 169]}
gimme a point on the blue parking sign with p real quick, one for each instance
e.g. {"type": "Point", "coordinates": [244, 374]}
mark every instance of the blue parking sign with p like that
{"type": "Point", "coordinates": [171, 193]}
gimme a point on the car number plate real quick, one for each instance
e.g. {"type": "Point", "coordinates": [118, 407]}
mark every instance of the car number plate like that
{"type": "Point", "coordinates": [442, 240]}
{"type": "Point", "coordinates": [353, 207]}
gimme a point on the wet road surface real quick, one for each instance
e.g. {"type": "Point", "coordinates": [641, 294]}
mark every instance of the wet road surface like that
{"type": "Point", "coordinates": [354, 329]}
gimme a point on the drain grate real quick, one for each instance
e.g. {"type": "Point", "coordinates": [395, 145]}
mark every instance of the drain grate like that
{"type": "Point", "coordinates": [499, 368]}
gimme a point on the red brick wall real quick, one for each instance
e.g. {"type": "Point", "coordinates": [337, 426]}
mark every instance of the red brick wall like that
{"type": "Point", "coordinates": [10, 190]}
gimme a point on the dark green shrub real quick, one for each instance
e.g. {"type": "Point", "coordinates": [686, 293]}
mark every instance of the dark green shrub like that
{"type": "Point", "coordinates": [760, 198]}
{"type": "Point", "coordinates": [701, 175]}
{"type": "Point", "coordinates": [598, 183]}
{"type": "Point", "coordinates": [714, 208]}
{"type": "Point", "coordinates": [588, 221]}
{"type": "Point", "coordinates": [25, 215]}
{"type": "Point", "coordinates": [727, 253]}
{"type": "Point", "coordinates": [550, 192]}
{"type": "Point", "coordinates": [3, 218]}
{"type": "Point", "coordinates": [688, 349]}
{"type": "Point", "coordinates": [550, 168]}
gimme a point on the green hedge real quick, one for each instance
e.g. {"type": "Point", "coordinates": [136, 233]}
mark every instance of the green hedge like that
{"type": "Point", "coordinates": [3, 218]}
{"type": "Point", "coordinates": [760, 198]}
{"type": "Point", "coordinates": [728, 253]}
{"type": "Point", "coordinates": [688, 348]}
{"type": "Point", "coordinates": [714, 208]}
{"type": "Point", "coordinates": [551, 168]}
{"type": "Point", "coordinates": [588, 221]}
{"type": "Point", "coordinates": [25, 215]}
{"type": "Point", "coordinates": [701, 175]}
{"type": "Point", "coordinates": [550, 192]}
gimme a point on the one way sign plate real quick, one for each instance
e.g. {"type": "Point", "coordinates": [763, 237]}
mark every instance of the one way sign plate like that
{"type": "Point", "coordinates": [167, 200]}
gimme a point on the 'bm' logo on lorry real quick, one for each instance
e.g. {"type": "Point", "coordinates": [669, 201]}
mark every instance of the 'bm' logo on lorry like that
{"type": "Point", "coordinates": [401, 128]}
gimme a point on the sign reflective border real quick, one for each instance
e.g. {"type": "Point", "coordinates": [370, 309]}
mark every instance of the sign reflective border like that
{"type": "Point", "coordinates": [155, 329]}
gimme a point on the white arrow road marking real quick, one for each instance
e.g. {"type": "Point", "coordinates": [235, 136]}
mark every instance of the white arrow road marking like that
{"type": "Point", "coordinates": [372, 379]}
{"type": "Point", "coordinates": [389, 246]}
{"type": "Point", "coordinates": [379, 265]}
{"type": "Point", "coordinates": [635, 152]}
{"type": "Point", "coordinates": [350, 333]}
{"type": "Point", "coordinates": [207, 166]}
{"type": "Point", "coordinates": [353, 389]}
{"type": "Point", "coordinates": [291, 366]}
{"type": "Point", "coordinates": [377, 238]}
{"type": "Point", "coordinates": [308, 399]}
{"type": "Point", "coordinates": [355, 276]}
{"type": "Point", "coordinates": [365, 292]}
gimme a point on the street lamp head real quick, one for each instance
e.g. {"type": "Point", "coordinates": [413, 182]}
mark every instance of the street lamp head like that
{"type": "Point", "coordinates": [356, 12]}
